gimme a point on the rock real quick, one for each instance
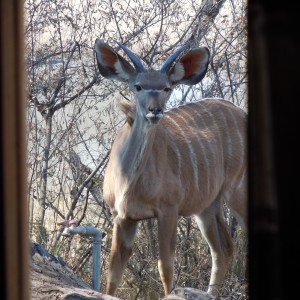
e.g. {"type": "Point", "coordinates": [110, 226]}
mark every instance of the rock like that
{"type": "Point", "coordinates": [52, 278]}
{"type": "Point", "coordinates": [188, 294]}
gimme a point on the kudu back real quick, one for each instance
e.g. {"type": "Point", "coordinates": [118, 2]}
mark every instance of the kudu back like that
{"type": "Point", "coordinates": [167, 164]}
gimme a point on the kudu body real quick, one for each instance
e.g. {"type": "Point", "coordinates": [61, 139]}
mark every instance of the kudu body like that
{"type": "Point", "coordinates": [167, 164]}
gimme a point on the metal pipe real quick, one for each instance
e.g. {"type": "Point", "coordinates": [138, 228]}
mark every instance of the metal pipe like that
{"type": "Point", "coordinates": [97, 241]}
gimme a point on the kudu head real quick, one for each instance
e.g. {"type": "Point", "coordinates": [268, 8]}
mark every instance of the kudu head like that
{"type": "Point", "coordinates": [152, 88]}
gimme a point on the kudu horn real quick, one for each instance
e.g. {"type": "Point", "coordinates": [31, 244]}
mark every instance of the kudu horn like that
{"type": "Point", "coordinates": [135, 60]}
{"type": "Point", "coordinates": [167, 64]}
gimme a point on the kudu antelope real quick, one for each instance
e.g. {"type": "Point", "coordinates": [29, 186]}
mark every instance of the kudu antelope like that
{"type": "Point", "coordinates": [167, 164]}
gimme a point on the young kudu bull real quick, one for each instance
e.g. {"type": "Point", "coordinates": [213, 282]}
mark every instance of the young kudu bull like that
{"type": "Point", "coordinates": [167, 164]}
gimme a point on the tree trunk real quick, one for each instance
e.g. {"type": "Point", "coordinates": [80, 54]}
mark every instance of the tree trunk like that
{"type": "Point", "coordinates": [41, 231]}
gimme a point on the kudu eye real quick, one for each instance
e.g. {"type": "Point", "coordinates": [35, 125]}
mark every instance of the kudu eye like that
{"type": "Point", "coordinates": [138, 87]}
{"type": "Point", "coordinates": [167, 89]}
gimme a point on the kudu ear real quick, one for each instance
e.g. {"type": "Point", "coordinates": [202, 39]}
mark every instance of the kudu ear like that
{"type": "Point", "coordinates": [191, 68]}
{"type": "Point", "coordinates": [112, 65]}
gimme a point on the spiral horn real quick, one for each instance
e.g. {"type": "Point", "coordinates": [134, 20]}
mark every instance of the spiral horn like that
{"type": "Point", "coordinates": [135, 60]}
{"type": "Point", "coordinates": [168, 62]}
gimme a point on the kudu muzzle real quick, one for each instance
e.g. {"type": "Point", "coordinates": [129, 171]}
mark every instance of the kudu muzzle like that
{"type": "Point", "coordinates": [155, 109]}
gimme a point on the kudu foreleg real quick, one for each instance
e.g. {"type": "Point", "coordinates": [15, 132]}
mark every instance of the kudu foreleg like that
{"type": "Point", "coordinates": [167, 229]}
{"type": "Point", "coordinates": [121, 249]}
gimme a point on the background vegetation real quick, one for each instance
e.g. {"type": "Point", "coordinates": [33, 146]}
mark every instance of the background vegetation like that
{"type": "Point", "coordinates": [73, 119]}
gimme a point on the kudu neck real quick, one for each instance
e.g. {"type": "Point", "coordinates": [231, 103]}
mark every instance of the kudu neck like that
{"type": "Point", "coordinates": [137, 146]}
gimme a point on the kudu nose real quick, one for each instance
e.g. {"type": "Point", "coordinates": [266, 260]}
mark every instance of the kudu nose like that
{"type": "Point", "coordinates": [155, 110]}
{"type": "Point", "coordinates": [155, 113]}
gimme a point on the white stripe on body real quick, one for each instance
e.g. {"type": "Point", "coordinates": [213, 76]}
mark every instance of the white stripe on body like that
{"type": "Point", "coordinates": [228, 140]}
{"type": "Point", "coordinates": [203, 148]}
{"type": "Point", "coordinates": [191, 150]}
{"type": "Point", "coordinates": [239, 136]}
